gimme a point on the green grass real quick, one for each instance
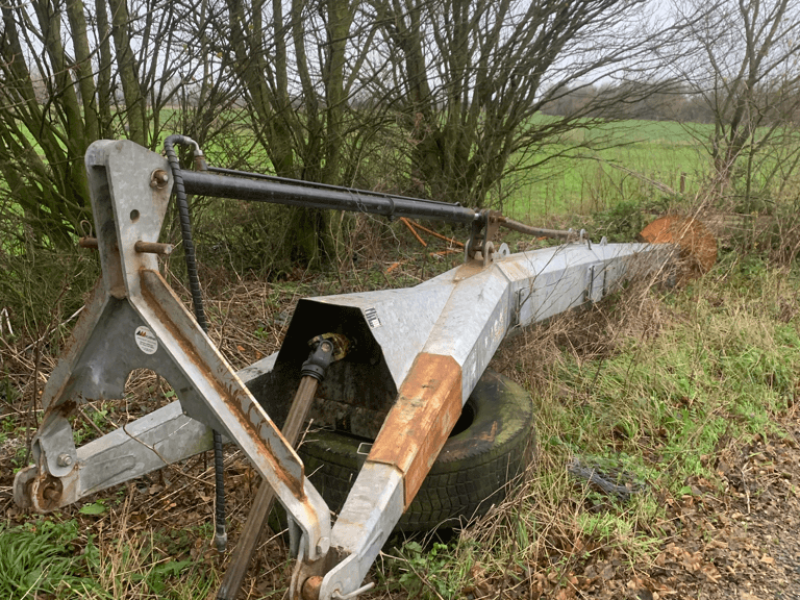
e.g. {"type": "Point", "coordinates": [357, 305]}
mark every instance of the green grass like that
{"type": "Point", "coordinates": [53, 558]}
{"type": "Point", "coordinates": [583, 181]}
{"type": "Point", "coordinates": [722, 373]}
{"type": "Point", "coordinates": [41, 558]}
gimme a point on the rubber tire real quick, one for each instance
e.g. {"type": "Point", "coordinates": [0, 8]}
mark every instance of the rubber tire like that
{"type": "Point", "coordinates": [471, 473]}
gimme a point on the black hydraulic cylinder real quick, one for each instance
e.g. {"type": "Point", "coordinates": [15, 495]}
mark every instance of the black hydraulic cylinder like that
{"type": "Point", "coordinates": [238, 188]}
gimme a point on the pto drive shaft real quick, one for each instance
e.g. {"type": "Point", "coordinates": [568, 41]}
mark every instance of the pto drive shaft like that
{"type": "Point", "coordinates": [326, 349]}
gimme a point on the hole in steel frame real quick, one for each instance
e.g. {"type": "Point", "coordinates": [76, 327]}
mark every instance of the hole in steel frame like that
{"type": "Point", "coordinates": [465, 420]}
{"type": "Point", "coordinates": [145, 391]}
{"type": "Point", "coordinates": [134, 215]}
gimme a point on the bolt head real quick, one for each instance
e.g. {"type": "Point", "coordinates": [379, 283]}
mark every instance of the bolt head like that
{"type": "Point", "coordinates": [159, 179]}
{"type": "Point", "coordinates": [64, 460]}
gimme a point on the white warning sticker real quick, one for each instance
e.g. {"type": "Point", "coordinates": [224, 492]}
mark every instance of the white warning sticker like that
{"type": "Point", "coordinates": [146, 340]}
{"type": "Point", "coordinates": [372, 318]}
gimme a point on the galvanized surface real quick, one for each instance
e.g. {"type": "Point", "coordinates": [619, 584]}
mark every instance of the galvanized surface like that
{"type": "Point", "coordinates": [162, 437]}
{"type": "Point", "coordinates": [400, 321]}
{"type": "Point", "coordinates": [136, 321]}
{"type": "Point", "coordinates": [227, 403]}
{"type": "Point", "coordinates": [464, 313]}
{"type": "Point", "coordinates": [229, 407]}
{"type": "Point", "coordinates": [108, 353]}
{"type": "Point", "coordinates": [374, 506]}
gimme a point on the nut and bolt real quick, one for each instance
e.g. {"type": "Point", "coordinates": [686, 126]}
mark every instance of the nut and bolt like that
{"type": "Point", "coordinates": [64, 460]}
{"type": "Point", "coordinates": [159, 179]}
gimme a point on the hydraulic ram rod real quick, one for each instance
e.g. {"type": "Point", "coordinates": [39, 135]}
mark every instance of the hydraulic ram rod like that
{"type": "Point", "coordinates": [312, 184]}
{"type": "Point", "coordinates": [307, 196]}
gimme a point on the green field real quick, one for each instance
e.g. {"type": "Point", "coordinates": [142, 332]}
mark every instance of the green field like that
{"type": "Point", "coordinates": [632, 155]}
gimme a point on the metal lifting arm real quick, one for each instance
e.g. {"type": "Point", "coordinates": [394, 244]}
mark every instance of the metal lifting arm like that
{"type": "Point", "coordinates": [136, 321]}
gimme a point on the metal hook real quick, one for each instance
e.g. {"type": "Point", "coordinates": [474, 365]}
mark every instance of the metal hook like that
{"type": "Point", "coordinates": [85, 227]}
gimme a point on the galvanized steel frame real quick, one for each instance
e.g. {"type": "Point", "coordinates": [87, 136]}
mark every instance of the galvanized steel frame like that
{"type": "Point", "coordinates": [454, 322]}
{"type": "Point", "coordinates": [129, 198]}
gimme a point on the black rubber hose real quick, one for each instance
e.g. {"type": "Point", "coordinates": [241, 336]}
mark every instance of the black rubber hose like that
{"type": "Point", "coordinates": [220, 537]}
{"type": "Point", "coordinates": [186, 228]}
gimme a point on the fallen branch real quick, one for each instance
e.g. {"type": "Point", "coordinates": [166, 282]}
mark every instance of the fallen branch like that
{"type": "Point", "coordinates": [446, 252]}
{"type": "Point", "coordinates": [407, 223]}
{"type": "Point", "coordinates": [603, 480]}
{"type": "Point", "coordinates": [438, 235]}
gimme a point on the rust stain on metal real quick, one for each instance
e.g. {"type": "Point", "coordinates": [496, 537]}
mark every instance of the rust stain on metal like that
{"type": "Point", "coordinates": [233, 398]}
{"type": "Point", "coordinates": [49, 493]}
{"type": "Point", "coordinates": [63, 408]}
{"type": "Point", "coordinates": [153, 248]}
{"type": "Point", "coordinates": [469, 269]}
{"type": "Point", "coordinates": [427, 408]}
{"type": "Point", "coordinates": [311, 587]}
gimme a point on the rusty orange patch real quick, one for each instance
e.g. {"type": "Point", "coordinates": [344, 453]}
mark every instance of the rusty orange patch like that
{"type": "Point", "coordinates": [417, 426]}
{"type": "Point", "coordinates": [489, 436]}
{"type": "Point", "coordinates": [698, 246]}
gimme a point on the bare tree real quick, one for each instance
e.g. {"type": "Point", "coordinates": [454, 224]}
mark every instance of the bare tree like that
{"type": "Point", "coordinates": [301, 65]}
{"type": "Point", "coordinates": [744, 67]}
{"type": "Point", "coordinates": [71, 73]}
{"type": "Point", "coordinates": [474, 74]}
